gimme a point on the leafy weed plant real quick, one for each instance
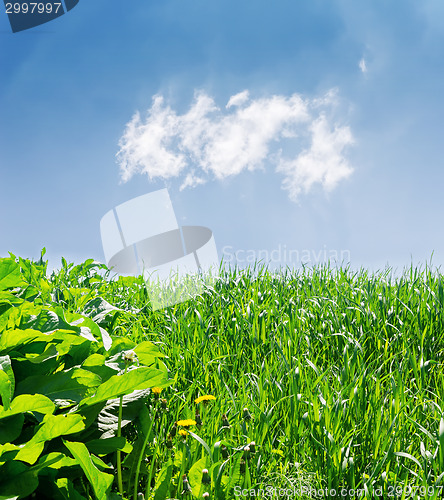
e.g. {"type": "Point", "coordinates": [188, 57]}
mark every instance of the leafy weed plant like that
{"type": "Point", "coordinates": [313, 379]}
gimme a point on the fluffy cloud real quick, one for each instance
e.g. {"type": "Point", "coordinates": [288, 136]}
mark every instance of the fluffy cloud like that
{"type": "Point", "coordinates": [323, 162]}
{"type": "Point", "coordinates": [291, 134]}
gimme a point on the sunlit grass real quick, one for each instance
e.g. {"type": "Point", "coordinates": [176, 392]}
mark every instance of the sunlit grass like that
{"type": "Point", "coordinates": [336, 376]}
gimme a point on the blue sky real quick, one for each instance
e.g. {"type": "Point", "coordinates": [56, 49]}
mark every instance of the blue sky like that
{"type": "Point", "coordinates": [69, 88]}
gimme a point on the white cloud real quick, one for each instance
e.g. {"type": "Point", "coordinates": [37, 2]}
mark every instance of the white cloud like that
{"type": "Point", "coordinates": [363, 65]}
{"type": "Point", "coordinates": [191, 180]}
{"type": "Point", "coordinates": [206, 142]}
{"type": "Point", "coordinates": [238, 99]}
{"type": "Point", "coordinates": [323, 163]}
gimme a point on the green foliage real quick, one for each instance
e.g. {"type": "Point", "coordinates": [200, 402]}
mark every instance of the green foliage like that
{"type": "Point", "coordinates": [322, 378]}
{"type": "Point", "coordinates": [60, 373]}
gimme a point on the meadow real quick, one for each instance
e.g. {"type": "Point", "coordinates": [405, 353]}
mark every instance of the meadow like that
{"type": "Point", "coordinates": [297, 383]}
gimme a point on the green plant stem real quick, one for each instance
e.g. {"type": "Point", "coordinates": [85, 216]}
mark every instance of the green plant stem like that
{"type": "Point", "coordinates": [139, 461]}
{"type": "Point", "coordinates": [119, 453]}
{"type": "Point", "coordinates": [182, 467]}
{"type": "Point", "coordinates": [150, 477]}
{"type": "Point", "coordinates": [156, 450]}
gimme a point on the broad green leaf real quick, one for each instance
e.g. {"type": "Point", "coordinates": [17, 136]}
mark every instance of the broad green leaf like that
{"type": "Point", "coordinates": [147, 353]}
{"type": "Point", "coordinates": [49, 353]}
{"type": "Point", "coordinates": [58, 425]}
{"type": "Point", "coordinates": [54, 461]}
{"type": "Point", "coordinates": [7, 447]}
{"type": "Point", "coordinates": [99, 463]}
{"type": "Point", "coordinates": [97, 333]}
{"type": "Point", "coordinates": [133, 404]}
{"type": "Point", "coordinates": [75, 350]}
{"type": "Point", "coordinates": [29, 293]}
{"type": "Point", "coordinates": [48, 321]}
{"type": "Point", "coordinates": [45, 322]}
{"type": "Point", "coordinates": [36, 403]}
{"type": "Point", "coordinates": [7, 385]}
{"type": "Point", "coordinates": [98, 308]}
{"type": "Point", "coordinates": [70, 384]}
{"type": "Point", "coordinates": [121, 344]}
{"type": "Point", "coordinates": [76, 320]}
{"type": "Point", "coordinates": [52, 426]}
{"type": "Point", "coordinates": [7, 303]}
{"type": "Point", "coordinates": [145, 420]}
{"type": "Point", "coordinates": [108, 445]}
{"type": "Point", "coordinates": [100, 481]}
{"type": "Point", "coordinates": [106, 339]}
{"type": "Point", "coordinates": [5, 367]}
{"type": "Point", "coordinates": [130, 460]}
{"type": "Point", "coordinates": [30, 452]}
{"type": "Point", "coordinates": [24, 367]}
{"type": "Point", "coordinates": [66, 488]}
{"type": "Point", "coordinates": [117, 385]}
{"type": "Point", "coordinates": [195, 475]}
{"type": "Point", "coordinates": [10, 276]}
{"type": "Point", "coordinates": [5, 389]}
{"type": "Point", "coordinates": [163, 481]}
{"type": "Point", "coordinates": [6, 311]}
{"type": "Point", "coordinates": [9, 298]}
{"type": "Point", "coordinates": [17, 480]}
{"type": "Point", "coordinates": [11, 428]}
{"type": "Point", "coordinates": [13, 339]}
{"type": "Point", "coordinates": [235, 474]}
{"type": "Point", "coordinates": [97, 364]}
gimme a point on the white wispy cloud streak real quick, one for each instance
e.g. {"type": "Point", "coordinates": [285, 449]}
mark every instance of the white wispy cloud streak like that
{"type": "Point", "coordinates": [363, 66]}
{"type": "Point", "coordinates": [294, 135]}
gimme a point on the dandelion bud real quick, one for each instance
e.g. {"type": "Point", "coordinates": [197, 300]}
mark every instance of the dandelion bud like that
{"type": "Point", "coordinates": [206, 495]}
{"type": "Point", "coordinates": [247, 452]}
{"type": "Point", "coordinates": [242, 467]}
{"type": "Point", "coordinates": [198, 419]}
{"type": "Point", "coordinates": [163, 404]}
{"type": "Point", "coordinates": [253, 447]}
{"type": "Point", "coordinates": [206, 479]}
{"type": "Point", "coordinates": [225, 422]}
{"type": "Point", "coordinates": [186, 485]}
{"type": "Point", "coordinates": [169, 442]}
{"type": "Point", "coordinates": [129, 357]}
{"type": "Point", "coordinates": [246, 415]}
{"type": "Point", "coordinates": [224, 451]}
{"type": "Point", "coordinates": [173, 430]}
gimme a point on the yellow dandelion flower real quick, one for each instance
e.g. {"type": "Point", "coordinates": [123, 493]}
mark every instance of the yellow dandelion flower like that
{"type": "Point", "coordinates": [183, 433]}
{"type": "Point", "coordinates": [186, 423]}
{"type": "Point", "coordinates": [204, 399]}
{"type": "Point", "coordinates": [278, 452]}
{"type": "Point", "coordinates": [156, 390]}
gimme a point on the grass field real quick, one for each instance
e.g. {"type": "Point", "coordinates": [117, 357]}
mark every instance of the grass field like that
{"type": "Point", "coordinates": [321, 379]}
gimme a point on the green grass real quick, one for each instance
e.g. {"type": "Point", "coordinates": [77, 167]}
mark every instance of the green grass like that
{"type": "Point", "coordinates": [341, 373]}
